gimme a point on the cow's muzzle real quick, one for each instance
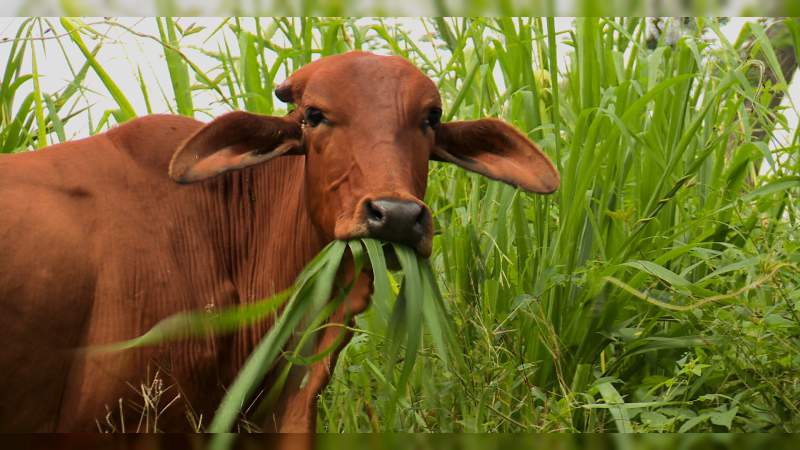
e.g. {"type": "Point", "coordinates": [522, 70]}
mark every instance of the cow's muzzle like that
{"type": "Point", "coordinates": [403, 221]}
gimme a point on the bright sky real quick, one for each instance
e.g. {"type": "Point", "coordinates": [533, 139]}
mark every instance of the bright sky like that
{"type": "Point", "coordinates": [124, 53]}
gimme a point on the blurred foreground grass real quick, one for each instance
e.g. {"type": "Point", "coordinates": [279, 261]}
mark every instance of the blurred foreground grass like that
{"type": "Point", "coordinates": [422, 441]}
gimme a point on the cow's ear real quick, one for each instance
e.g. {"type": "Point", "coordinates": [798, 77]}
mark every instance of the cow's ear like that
{"type": "Point", "coordinates": [496, 150]}
{"type": "Point", "coordinates": [234, 141]}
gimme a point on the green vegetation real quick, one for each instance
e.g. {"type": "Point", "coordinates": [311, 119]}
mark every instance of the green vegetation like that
{"type": "Point", "coordinates": [657, 290]}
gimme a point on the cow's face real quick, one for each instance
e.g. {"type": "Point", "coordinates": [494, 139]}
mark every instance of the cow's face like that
{"type": "Point", "coordinates": [368, 126]}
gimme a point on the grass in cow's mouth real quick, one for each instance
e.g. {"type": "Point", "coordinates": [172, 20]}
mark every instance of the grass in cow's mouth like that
{"type": "Point", "coordinates": [306, 307]}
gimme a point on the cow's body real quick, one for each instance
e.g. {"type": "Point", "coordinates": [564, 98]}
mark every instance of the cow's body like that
{"type": "Point", "coordinates": [117, 247]}
{"type": "Point", "coordinates": [98, 242]}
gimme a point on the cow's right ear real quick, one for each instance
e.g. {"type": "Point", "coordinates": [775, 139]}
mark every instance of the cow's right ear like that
{"type": "Point", "coordinates": [234, 141]}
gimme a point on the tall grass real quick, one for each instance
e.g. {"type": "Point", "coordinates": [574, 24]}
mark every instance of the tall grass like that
{"type": "Point", "coordinates": [655, 291]}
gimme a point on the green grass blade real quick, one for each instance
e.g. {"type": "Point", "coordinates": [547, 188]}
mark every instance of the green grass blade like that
{"type": "Point", "coordinates": [264, 355]}
{"type": "Point", "coordinates": [178, 70]}
{"type": "Point", "coordinates": [382, 291]}
{"type": "Point", "coordinates": [41, 126]}
{"type": "Point", "coordinates": [126, 109]}
{"type": "Point", "coordinates": [618, 411]}
{"type": "Point", "coordinates": [195, 324]}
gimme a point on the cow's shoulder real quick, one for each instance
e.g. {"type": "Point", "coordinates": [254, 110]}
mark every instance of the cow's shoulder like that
{"type": "Point", "coordinates": [151, 140]}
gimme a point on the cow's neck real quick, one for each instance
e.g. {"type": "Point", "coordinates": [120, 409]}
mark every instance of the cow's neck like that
{"type": "Point", "coordinates": [264, 232]}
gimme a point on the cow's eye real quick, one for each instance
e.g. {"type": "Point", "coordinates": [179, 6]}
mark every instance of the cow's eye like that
{"type": "Point", "coordinates": [314, 117]}
{"type": "Point", "coordinates": [434, 117]}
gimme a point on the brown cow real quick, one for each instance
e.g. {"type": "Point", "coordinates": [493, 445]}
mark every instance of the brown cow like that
{"type": "Point", "coordinates": [98, 243]}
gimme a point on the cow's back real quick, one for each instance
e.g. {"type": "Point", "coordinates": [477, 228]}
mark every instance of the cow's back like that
{"type": "Point", "coordinates": [59, 201]}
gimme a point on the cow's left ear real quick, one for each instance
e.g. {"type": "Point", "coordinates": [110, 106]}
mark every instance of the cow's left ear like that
{"type": "Point", "coordinates": [234, 141]}
{"type": "Point", "coordinates": [496, 150]}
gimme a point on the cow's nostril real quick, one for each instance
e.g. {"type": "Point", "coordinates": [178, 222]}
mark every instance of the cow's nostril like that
{"type": "Point", "coordinates": [374, 212]}
{"type": "Point", "coordinates": [422, 217]}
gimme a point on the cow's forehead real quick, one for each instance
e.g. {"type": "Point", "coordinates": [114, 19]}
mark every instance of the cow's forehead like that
{"type": "Point", "coordinates": [360, 75]}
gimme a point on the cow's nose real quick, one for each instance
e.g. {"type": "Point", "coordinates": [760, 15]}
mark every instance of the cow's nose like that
{"type": "Point", "coordinates": [400, 221]}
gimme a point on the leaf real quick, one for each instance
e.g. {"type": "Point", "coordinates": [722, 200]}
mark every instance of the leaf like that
{"type": "Point", "coordinates": [198, 324]}
{"type": "Point", "coordinates": [52, 115]}
{"type": "Point", "coordinates": [693, 422]}
{"type": "Point", "coordinates": [738, 265]}
{"type": "Point", "coordinates": [724, 418]}
{"type": "Point", "coordinates": [410, 300]}
{"type": "Point", "coordinates": [616, 403]}
{"type": "Point", "coordinates": [659, 271]}
{"type": "Point", "coordinates": [41, 126]}
{"type": "Point", "coordinates": [256, 98]}
{"type": "Point", "coordinates": [437, 322]}
{"type": "Point", "coordinates": [382, 291]}
{"type": "Point", "coordinates": [654, 419]}
{"type": "Point", "coordinates": [127, 111]}
{"type": "Point", "coordinates": [178, 70]}
{"type": "Point", "coordinates": [778, 185]}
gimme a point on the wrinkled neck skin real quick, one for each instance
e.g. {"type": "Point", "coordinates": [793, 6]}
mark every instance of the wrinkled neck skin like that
{"type": "Point", "coordinates": [238, 238]}
{"type": "Point", "coordinates": [268, 236]}
{"type": "Point", "coordinates": [264, 233]}
{"type": "Point", "coordinates": [261, 236]}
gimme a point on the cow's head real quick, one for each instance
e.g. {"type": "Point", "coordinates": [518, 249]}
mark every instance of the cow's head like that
{"type": "Point", "coordinates": [367, 125]}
